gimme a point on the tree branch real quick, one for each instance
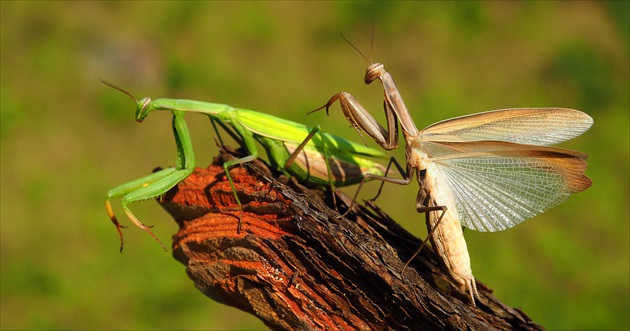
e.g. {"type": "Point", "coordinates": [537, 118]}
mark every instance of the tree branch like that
{"type": "Point", "coordinates": [295, 265]}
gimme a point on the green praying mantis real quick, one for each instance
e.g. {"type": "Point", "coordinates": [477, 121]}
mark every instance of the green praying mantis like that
{"type": "Point", "coordinates": [313, 157]}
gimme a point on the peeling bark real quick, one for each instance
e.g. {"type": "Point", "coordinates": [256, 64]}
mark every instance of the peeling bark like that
{"type": "Point", "coordinates": [295, 265]}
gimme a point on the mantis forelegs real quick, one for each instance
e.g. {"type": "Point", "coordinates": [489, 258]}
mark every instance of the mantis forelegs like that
{"type": "Point", "coordinates": [156, 184]}
{"type": "Point", "coordinates": [359, 117]}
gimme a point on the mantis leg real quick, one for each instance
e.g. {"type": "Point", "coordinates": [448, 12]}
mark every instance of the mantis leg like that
{"type": "Point", "coordinates": [424, 209]}
{"type": "Point", "coordinates": [394, 106]}
{"type": "Point", "coordinates": [360, 118]}
{"type": "Point", "coordinates": [401, 171]}
{"type": "Point", "coordinates": [156, 184]}
{"type": "Point", "coordinates": [407, 176]}
{"type": "Point", "coordinates": [226, 166]}
{"type": "Point", "coordinates": [247, 141]}
{"type": "Point", "coordinates": [214, 123]}
{"type": "Point", "coordinates": [317, 129]}
{"type": "Point", "coordinates": [249, 144]}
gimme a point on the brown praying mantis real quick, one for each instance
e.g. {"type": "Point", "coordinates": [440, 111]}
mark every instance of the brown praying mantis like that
{"type": "Point", "coordinates": [487, 171]}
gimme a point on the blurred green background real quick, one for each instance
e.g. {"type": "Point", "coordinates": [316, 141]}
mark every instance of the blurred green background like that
{"type": "Point", "coordinates": [67, 139]}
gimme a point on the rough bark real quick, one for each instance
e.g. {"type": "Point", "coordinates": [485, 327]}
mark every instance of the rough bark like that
{"type": "Point", "coordinates": [295, 265]}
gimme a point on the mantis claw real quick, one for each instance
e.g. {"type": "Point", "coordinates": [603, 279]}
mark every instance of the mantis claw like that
{"type": "Point", "coordinates": [118, 227]}
{"type": "Point", "coordinates": [327, 105]}
{"type": "Point", "coordinates": [112, 217]}
{"type": "Point", "coordinates": [240, 218]}
{"type": "Point", "coordinates": [146, 228]}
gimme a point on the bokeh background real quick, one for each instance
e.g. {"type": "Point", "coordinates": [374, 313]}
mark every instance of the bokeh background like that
{"type": "Point", "coordinates": [67, 139]}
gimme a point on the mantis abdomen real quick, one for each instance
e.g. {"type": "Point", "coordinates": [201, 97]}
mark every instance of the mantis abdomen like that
{"type": "Point", "coordinates": [447, 236]}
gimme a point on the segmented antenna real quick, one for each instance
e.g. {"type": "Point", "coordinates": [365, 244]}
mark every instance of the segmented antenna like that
{"type": "Point", "coordinates": [349, 43]}
{"type": "Point", "coordinates": [117, 88]}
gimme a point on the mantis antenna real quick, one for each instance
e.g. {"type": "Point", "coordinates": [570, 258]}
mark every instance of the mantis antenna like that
{"type": "Point", "coordinates": [117, 88]}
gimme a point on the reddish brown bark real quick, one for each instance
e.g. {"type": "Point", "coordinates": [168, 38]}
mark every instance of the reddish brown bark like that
{"type": "Point", "coordinates": [296, 266]}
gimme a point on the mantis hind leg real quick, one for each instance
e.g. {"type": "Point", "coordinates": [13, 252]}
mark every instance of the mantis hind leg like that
{"type": "Point", "coordinates": [227, 166]}
{"type": "Point", "coordinates": [401, 171]}
{"type": "Point", "coordinates": [427, 210]}
{"type": "Point", "coordinates": [247, 142]}
{"type": "Point", "coordinates": [317, 129]}
{"type": "Point", "coordinates": [407, 176]}
{"type": "Point", "coordinates": [467, 282]}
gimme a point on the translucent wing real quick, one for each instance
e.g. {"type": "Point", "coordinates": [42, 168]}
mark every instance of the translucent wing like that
{"type": "Point", "coordinates": [532, 126]}
{"type": "Point", "coordinates": [496, 185]}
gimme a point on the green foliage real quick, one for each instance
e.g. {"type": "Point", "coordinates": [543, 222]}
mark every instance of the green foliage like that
{"type": "Point", "coordinates": [66, 139]}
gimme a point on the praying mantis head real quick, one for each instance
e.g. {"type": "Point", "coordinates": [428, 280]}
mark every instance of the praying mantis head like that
{"type": "Point", "coordinates": [143, 109]}
{"type": "Point", "coordinates": [143, 105]}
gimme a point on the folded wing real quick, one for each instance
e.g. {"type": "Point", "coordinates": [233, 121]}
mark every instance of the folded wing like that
{"type": "Point", "coordinates": [532, 126]}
